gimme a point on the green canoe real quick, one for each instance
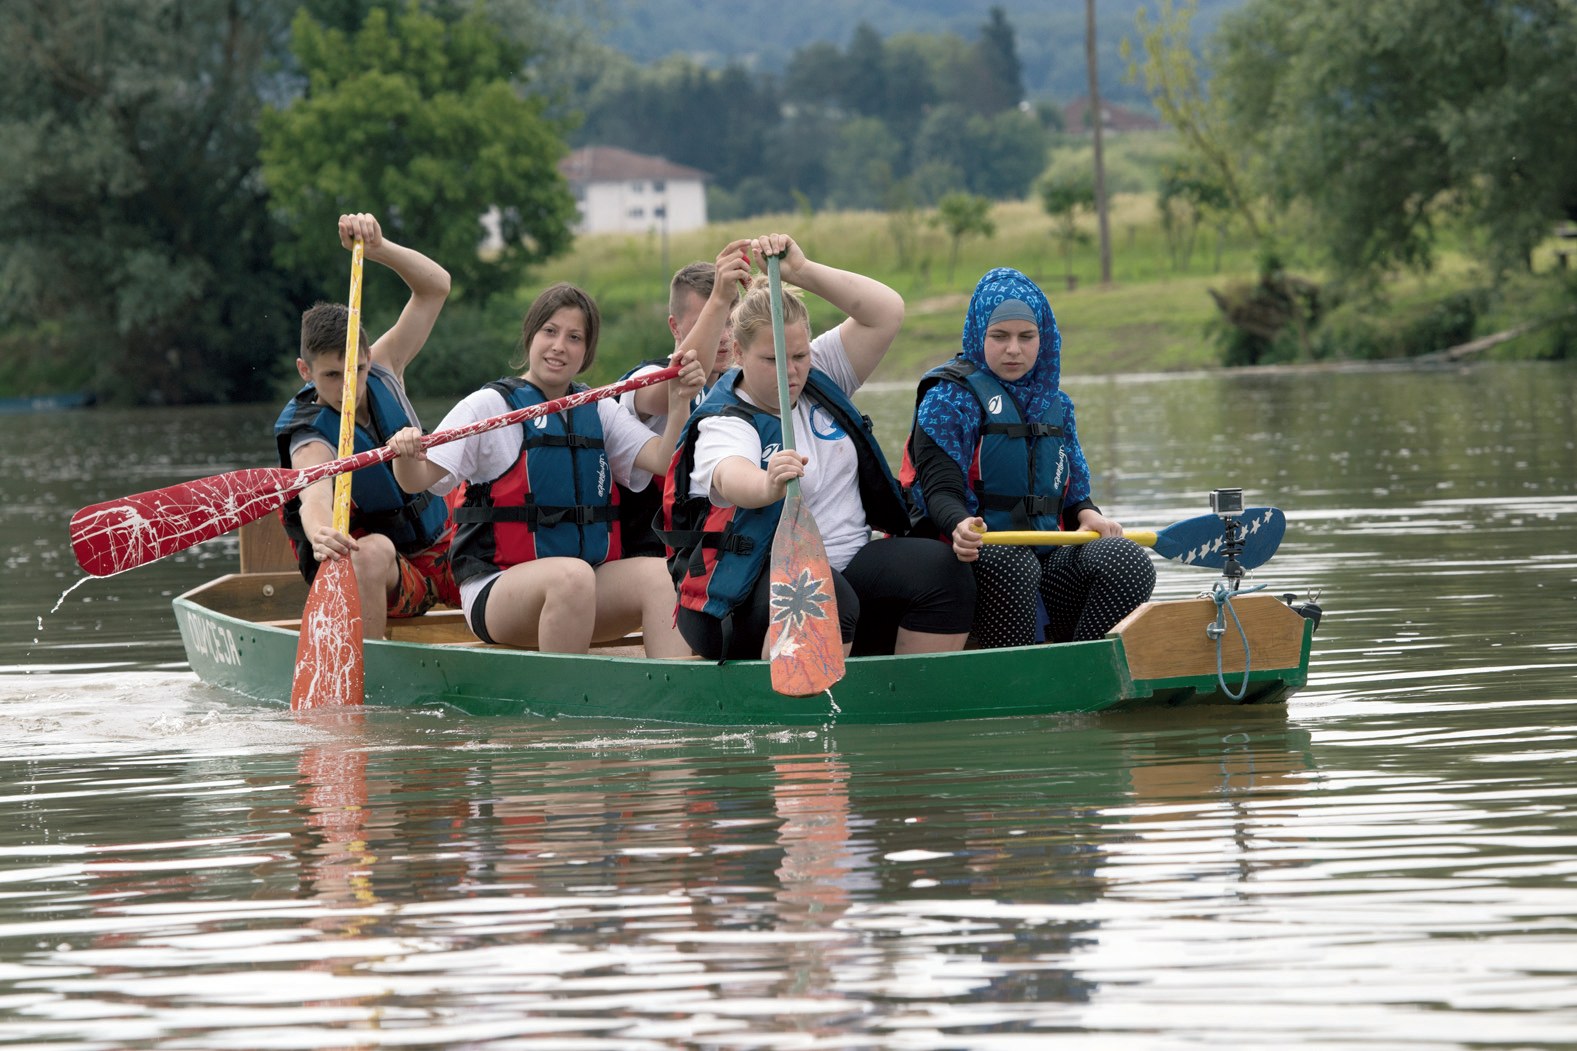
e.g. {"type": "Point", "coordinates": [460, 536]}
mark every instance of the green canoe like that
{"type": "Point", "coordinates": [240, 633]}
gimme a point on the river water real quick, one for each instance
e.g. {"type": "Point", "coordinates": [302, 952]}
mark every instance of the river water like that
{"type": "Point", "coordinates": [1388, 861]}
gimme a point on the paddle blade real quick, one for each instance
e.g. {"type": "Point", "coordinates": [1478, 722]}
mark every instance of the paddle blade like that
{"type": "Point", "coordinates": [805, 645]}
{"type": "Point", "coordinates": [1197, 541]}
{"type": "Point", "coordinates": [131, 531]}
{"type": "Point", "coordinates": [329, 667]}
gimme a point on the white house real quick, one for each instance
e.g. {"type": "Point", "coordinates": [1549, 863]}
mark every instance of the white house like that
{"type": "Point", "coordinates": [623, 192]}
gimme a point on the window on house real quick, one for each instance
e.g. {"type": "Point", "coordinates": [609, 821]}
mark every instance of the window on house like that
{"type": "Point", "coordinates": [637, 212]}
{"type": "Point", "coordinates": [637, 186]}
{"type": "Point", "coordinates": [658, 186]}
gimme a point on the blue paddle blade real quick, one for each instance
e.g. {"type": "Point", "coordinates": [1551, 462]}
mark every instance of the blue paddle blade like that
{"type": "Point", "coordinates": [1197, 541]}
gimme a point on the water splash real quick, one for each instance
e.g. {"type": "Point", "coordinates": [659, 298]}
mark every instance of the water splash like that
{"type": "Point", "coordinates": [61, 601]}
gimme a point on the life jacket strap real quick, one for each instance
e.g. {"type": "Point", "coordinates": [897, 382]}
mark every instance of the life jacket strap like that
{"type": "Point", "coordinates": [538, 516]}
{"type": "Point", "coordinates": [1023, 430]}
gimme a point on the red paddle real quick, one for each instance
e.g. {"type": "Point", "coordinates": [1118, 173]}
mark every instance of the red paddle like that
{"type": "Point", "coordinates": [329, 669]}
{"type": "Point", "coordinates": [804, 641]}
{"type": "Point", "coordinates": [132, 531]}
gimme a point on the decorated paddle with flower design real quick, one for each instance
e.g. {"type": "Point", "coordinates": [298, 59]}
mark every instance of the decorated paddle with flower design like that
{"type": "Point", "coordinates": [330, 669]}
{"type": "Point", "coordinates": [805, 644]}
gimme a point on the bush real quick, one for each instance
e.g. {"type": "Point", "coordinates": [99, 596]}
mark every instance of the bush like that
{"type": "Point", "coordinates": [1368, 330]}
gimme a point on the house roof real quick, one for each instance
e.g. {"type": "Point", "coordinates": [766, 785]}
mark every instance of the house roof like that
{"type": "Point", "coordinates": [613, 164]}
{"type": "Point", "coordinates": [1113, 117]}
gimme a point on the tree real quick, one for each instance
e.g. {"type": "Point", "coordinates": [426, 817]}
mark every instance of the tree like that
{"type": "Point", "coordinates": [1063, 198]}
{"type": "Point", "coordinates": [861, 165]}
{"type": "Point", "coordinates": [997, 156]}
{"type": "Point", "coordinates": [1385, 119]}
{"type": "Point", "coordinates": [134, 239]}
{"type": "Point", "coordinates": [1001, 77]}
{"type": "Point", "coordinates": [963, 214]}
{"type": "Point", "coordinates": [1187, 199]}
{"type": "Point", "coordinates": [420, 117]}
{"type": "Point", "coordinates": [1172, 79]}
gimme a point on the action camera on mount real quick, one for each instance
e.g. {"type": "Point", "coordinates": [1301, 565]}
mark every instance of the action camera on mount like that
{"type": "Point", "coordinates": [1228, 503]}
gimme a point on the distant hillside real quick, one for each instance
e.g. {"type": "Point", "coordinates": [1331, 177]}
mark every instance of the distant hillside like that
{"type": "Point", "coordinates": [764, 33]}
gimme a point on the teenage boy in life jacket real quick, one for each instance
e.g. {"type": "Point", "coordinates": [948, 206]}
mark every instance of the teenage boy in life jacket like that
{"type": "Point", "coordinates": [398, 542]}
{"type": "Point", "coordinates": [688, 292]}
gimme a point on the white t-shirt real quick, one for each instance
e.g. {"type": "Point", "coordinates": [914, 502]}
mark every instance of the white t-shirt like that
{"type": "Point", "coordinates": [829, 487]}
{"type": "Point", "coordinates": [485, 457]}
{"type": "Point", "coordinates": [655, 424]}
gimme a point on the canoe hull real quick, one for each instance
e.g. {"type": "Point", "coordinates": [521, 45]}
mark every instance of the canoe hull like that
{"type": "Point", "coordinates": [238, 635]}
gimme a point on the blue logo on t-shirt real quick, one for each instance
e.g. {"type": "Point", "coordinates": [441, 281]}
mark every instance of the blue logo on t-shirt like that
{"type": "Point", "coordinates": [823, 426]}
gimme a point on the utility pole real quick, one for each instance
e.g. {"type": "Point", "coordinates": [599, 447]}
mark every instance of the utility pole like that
{"type": "Point", "coordinates": [1100, 160]}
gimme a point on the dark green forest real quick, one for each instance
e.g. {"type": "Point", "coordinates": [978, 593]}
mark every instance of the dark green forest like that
{"type": "Point", "coordinates": [169, 176]}
{"type": "Point", "coordinates": [764, 35]}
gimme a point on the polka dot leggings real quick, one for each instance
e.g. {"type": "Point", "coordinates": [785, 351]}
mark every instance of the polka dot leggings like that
{"type": "Point", "coordinates": [1086, 589]}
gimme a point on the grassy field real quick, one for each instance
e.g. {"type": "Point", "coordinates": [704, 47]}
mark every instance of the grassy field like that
{"type": "Point", "coordinates": [1152, 317]}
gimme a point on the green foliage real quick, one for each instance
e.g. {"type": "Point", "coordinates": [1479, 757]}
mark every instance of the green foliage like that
{"type": "Point", "coordinates": [716, 120]}
{"type": "Point", "coordinates": [134, 241]}
{"type": "Point", "coordinates": [417, 117]}
{"type": "Point", "coordinates": [1364, 330]}
{"type": "Point", "coordinates": [1048, 37]}
{"type": "Point", "coordinates": [1386, 119]}
{"type": "Point", "coordinates": [1063, 197]}
{"type": "Point", "coordinates": [961, 215]}
{"type": "Point", "coordinates": [1189, 197]}
{"type": "Point", "coordinates": [1133, 161]}
{"type": "Point", "coordinates": [1269, 320]}
{"type": "Point", "coordinates": [842, 127]}
{"type": "Point", "coordinates": [1172, 77]}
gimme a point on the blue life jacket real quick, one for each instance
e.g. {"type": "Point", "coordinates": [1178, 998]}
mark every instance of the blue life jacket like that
{"type": "Point", "coordinates": [1020, 472]}
{"type": "Point", "coordinates": [556, 500]}
{"type": "Point", "coordinates": [716, 554]}
{"type": "Point", "coordinates": [413, 521]}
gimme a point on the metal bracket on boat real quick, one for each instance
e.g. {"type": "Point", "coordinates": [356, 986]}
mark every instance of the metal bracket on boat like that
{"type": "Point", "coordinates": [1228, 503]}
{"type": "Point", "coordinates": [1308, 609]}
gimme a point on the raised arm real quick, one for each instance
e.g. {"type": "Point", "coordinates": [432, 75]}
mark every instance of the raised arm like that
{"type": "Point", "coordinates": [705, 334]}
{"type": "Point", "coordinates": [428, 282]}
{"type": "Point", "coordinates": [875, 312]}
{"type": "Point", "coordinates": [656, 454]}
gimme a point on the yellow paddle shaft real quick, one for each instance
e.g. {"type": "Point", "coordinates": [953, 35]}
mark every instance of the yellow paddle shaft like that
{"type": "Point", "coordinates": [1041, 538]}
{"type": "Point", "coordinates": [347, 408]}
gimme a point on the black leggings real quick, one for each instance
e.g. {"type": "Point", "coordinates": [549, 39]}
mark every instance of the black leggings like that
{"type": "Point", "coordinates": [1086, 589]}
{"type": "Point", "coordinates": [892, 583]}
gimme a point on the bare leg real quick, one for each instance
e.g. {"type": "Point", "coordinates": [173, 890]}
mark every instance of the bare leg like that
{"type": "Point", "coordinates": [546, 603]}
{"type": "Point", "coordinates": [638, 593]}
{"type": "Point", "coordinates": [377, 577]}
{"type": "Point", "coordinates": [928, 642]}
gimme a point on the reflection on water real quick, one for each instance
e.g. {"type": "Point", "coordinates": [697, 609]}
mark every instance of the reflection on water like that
{"type": "Point", "coordinates": [1386, 862]}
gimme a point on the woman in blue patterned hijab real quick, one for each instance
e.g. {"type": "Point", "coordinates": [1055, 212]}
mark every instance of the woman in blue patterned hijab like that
{"type": "Point", "coordinates": [994, 442]}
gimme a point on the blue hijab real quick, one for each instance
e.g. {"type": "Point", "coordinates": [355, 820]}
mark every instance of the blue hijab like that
{"type": "Point", "coordinates": [949, 413]}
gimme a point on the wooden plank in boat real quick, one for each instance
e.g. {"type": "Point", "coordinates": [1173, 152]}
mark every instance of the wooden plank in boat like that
{"type": "Point", "coordinates": [1167, 640]}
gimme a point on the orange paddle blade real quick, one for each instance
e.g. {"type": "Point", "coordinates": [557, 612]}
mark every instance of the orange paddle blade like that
{"type": "Point", "coordinates": [805, 645]}
{"type": "Point", "coordinates": [329, 668]}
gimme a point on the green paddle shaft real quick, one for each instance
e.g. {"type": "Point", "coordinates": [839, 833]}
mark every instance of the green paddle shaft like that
{"type": "Point", "coordinates": [780, 352]}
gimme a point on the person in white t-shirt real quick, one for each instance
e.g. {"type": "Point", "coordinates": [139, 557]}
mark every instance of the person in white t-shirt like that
{"type": "Point", "coordinates": [895, 593]}
{"type": "Point", "coordinates": [536, 552]}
